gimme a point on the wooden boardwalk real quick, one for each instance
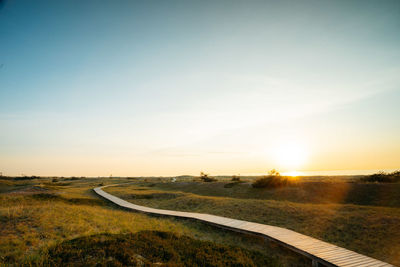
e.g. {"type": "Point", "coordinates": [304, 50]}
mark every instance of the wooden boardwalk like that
{"type": "Point", "coordinates": [319, 251]}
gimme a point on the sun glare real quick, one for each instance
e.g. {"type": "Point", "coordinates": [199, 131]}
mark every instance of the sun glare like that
{"type": "Point", "coordinates": [290, 155]}
{"type": "Point", "coordinates": [293, 173]}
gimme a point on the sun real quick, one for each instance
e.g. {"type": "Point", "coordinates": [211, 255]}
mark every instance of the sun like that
{"type": "Point", "coordinates": [291, 155]}
{"type": "Point", "coordinates": [293, 173]}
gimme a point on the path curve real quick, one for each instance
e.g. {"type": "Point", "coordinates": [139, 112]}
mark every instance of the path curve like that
{"type": "Point", "coordinates": [319, 251]}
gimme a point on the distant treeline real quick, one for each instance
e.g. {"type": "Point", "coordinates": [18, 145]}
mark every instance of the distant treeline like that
{"type": "Point", "coordinates": [21, 178]}
{"type": "Point", "coordinates": [18, 178]}
{"type": "Point", "coordinates": [382, 177]}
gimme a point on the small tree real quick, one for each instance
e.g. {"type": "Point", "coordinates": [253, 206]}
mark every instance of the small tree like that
{"type": "Point", "coordinates": [235, 178]}
{"type": "Point", "coordinates": [274, 172]}
{"type": "Point", "coordinates": [273, 180]}
{"type": "Point", "coordinates": [205, 178]}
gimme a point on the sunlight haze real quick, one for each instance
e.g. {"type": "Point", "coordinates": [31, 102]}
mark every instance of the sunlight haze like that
{"type": "Point", "coordinates": [135, 88]}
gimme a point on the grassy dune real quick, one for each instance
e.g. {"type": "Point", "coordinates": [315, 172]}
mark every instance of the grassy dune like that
{"type": "Point", "coordinates": [360, 217]}
{"type": "Point", "coordinates": [316, 192]}
{"type": "Point", "coordinates": [42, 221]}
{"type": "Point", "coordinates": [147, 247]}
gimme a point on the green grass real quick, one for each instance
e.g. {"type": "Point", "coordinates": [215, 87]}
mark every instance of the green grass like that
{"type": "Point", "coordinates": [39, 218]}
{"type": "Point", "coordinates": [151, 247]}
{"type": "Point", "coordinates": [317, 192]}
{"type": "Point", "coordinates": [274, 181]}
{"type": "Point", "coordinates": [361, 217]}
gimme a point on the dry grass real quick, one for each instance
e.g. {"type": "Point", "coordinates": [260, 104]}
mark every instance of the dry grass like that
{"type": "Point", "coordinates": [371, 194]}
{"type": "Point", "coordinates": [28, 223]}
{"type": "Point", "coordinates": [274, 181]}
{"type": "Point", "coordinates": [151, 248]}
{"type": "Point", "coordinates": [371, 230]}
{"type": "Point", "coordinates": [38, 215]}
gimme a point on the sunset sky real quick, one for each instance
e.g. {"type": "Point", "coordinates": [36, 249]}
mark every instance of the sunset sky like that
{"type": "Point", "coordinates": [135, 88]}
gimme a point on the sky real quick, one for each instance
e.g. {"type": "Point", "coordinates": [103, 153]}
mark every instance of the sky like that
{"type": "Point", "coordinates": [136, 88]}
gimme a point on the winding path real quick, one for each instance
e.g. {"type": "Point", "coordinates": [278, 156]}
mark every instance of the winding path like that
{"type": "Point", "coordinates": [318, 251]}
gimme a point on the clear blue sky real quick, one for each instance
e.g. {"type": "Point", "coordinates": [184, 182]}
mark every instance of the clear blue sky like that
{"type": "Point", "coordinates": [179, 87]}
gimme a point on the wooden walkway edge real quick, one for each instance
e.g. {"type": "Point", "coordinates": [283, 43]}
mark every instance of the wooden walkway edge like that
{"type": "Point", "coordinates": [319, 251]}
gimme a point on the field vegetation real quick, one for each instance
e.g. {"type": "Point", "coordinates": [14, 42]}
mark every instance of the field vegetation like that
{"type": "Point", "coordinates": [206, 178]}
{"type": "Point", "coordinates": [383, 177]}
{"type": "Point", "coordinates": [50, 222]}
{"type": "Point", "coordinates": [363, 217]}
{"type": "Point", "coordinates": [151, 247]}
{"type": "Point", "coordinates": [273, 180]}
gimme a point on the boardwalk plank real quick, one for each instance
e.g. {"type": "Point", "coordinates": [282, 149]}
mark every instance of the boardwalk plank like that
{"type": "Point", "coordinates": [356, 261]}
{"type": "Point", "coordinates": [379, 265]}
{"type": "Point", "coordinates": [337, 255]}
{"type": "Point", "coordinates": [321, 248]}
{"type": "Point", "coordinates": [349, 258]}
{"type": "Point", "coordinates": [235, 223]}
{"type": "Point", "coordinates": [359, 263]}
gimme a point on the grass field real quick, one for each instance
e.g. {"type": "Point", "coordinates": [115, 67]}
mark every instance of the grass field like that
{"type": "Point", "coordinates": [46, 222]}
{"type": "Point", "coordinates": [362, 217]}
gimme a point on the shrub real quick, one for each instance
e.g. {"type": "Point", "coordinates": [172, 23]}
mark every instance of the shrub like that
{"type": "Point", "coordinates": [208, 179]}
{"type": "Point", "coordinates": [205, 178]}
{"type": "Point", "coordinates": [272, 181]}
{"type": "Point", "coordinates": [274, 172]}
{"type": "Point", "coordinates": [235, 178]}
{"type": "Point", "coordinates": [382, 177]}
{"type": "Point", "coordinates": [73, 178]}
{"type": "Point", "coordinates": [25, 178]}
{"type": "Point", "coordinates": [230, 185]}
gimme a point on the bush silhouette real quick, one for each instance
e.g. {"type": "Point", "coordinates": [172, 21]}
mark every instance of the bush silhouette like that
{"type": "Point", "coordinates": [205, 178]}
{"type": "Point", "coordinates": [235, 178]}
{"type": "Point", "coordinates": [273, 180]}
{"type": "Point", "coordinates": [382, 177]}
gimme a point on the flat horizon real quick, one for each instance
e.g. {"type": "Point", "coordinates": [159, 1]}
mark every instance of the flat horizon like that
{"type": "Point", "coordinates": [293, 173]}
